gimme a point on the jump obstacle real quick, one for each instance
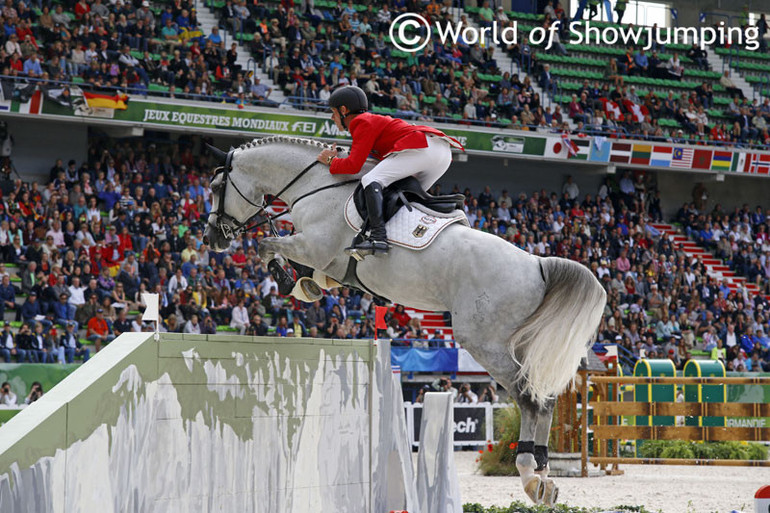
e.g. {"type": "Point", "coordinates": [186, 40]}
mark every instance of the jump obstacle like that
{"type": "Point", "coordinates": [704, 420]}
{"type": "Point", "coordinates": [196, 423]}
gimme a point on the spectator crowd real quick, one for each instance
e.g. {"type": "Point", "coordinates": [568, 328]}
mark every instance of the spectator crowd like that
{"type": "Point", "coordinates": [308, 50]}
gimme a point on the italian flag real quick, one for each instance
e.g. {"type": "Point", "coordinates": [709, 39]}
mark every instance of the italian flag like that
{"type": "Point", "coordinates": [104, 101]}
{"type": "Point", "coordinates": [30, 107]}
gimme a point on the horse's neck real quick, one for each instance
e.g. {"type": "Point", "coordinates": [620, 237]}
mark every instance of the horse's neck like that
{"type": "Point", "coordinates": [282, 164]}
{"type": "Point", "coordinates": [278, 166]}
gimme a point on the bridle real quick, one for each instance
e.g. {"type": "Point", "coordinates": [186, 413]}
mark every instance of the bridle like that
{"type": "Point", "coordinates": [231, 227]}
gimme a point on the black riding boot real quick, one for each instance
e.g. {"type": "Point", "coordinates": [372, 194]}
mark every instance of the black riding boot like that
{"type": "Point", "coordinates": [378, 237]}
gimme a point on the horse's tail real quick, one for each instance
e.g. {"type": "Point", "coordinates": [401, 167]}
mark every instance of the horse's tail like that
{"type": "Point", "coordinates": [552, 340]}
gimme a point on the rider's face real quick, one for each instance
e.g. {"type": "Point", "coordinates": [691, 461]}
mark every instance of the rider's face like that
{"type": "Point", "coordinates": [337, 118]}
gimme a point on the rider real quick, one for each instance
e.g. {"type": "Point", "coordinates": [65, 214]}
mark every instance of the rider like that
{"type": "Point", "coordinates": [403, 150]}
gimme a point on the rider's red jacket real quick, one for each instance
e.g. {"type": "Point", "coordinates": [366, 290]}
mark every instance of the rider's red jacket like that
{"type": "Point", "coordinates": [379, 136]}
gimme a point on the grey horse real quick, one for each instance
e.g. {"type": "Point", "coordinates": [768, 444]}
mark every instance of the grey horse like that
{"type": "Point", "coordinates": [528, 320]}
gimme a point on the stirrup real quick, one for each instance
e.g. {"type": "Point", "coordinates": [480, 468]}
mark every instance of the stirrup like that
{"type": "Point", "coordinates": [361, 249]}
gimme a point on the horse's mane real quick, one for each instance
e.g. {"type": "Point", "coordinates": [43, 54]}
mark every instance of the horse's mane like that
{"type": "Point", "coordinates": [276, 139]}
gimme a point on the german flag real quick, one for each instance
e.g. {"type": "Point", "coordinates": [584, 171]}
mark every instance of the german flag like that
{"type": "Point", "coordinates": [104, 101]}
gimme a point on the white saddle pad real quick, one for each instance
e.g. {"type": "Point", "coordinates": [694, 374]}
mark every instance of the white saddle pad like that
{"type": "Point", "coordinates": [413, 230]}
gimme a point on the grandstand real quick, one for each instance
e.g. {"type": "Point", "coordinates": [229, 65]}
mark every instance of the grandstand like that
{"type": "Point", "coordinates": [131, 93]}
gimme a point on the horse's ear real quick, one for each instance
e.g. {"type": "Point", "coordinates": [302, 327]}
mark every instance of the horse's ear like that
{"type": "Point", "coordinates": [218, 154]}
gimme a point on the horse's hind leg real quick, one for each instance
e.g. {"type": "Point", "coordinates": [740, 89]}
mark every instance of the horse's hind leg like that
{"type": "Point", "coordinates": [542, 433]}
{"type": "Point", "coordinates": [526, 462]}
{"type": "Point", "coordinates": [532, 453]}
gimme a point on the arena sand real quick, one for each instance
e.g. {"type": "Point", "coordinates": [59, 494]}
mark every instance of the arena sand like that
{"type": "Point", "coordinates": [669, 489]}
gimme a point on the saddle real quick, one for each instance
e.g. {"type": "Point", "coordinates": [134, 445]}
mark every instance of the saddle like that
{"type": "Point", "coordinates": [405, 192]}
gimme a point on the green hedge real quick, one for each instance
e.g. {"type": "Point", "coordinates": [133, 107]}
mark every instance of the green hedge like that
{"type": "Point", "coordinates": [685, 449]}
{"type": "Point", "coordinates": [521, 507]}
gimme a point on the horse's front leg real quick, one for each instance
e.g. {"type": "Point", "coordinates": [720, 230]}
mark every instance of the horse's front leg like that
{"type": "Point", "coordinates": [295, 248]}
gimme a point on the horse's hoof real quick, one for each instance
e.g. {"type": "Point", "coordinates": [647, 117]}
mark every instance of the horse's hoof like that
{"type": "Point", "coordinates": [551, 492]}
{"type": "Point", "coordinates": [535, 489]}
{"type": "Point", "coordinates": [307, 290]}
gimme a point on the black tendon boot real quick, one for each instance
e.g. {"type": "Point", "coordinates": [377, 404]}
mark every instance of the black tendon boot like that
{"type": "Point", "coordinates": [377, 243]}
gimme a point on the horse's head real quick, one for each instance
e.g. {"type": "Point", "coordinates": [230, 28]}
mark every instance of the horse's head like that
{"type": "Point", "coordinates": [279, 166]}
{"type": "Point", "coordinates": [231, 208]}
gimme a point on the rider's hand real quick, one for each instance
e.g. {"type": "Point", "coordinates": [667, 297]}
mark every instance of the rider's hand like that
{"type": "Point", "coordinates": [324, 156]}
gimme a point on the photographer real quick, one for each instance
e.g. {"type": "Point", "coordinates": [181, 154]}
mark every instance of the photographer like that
{"type": "Point", "coordinates": [35, 393]}
{"type": "Point", "coordinates": [7, 397]}
{"type": "Point", "coordinates": [466, 395]}
{"type": "Point", "coordinates": [445, 385]}
{"type": "Point", "coordinates": [489, 395]}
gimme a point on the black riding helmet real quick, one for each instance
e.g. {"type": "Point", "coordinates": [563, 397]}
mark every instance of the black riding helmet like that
{"type": "Point", "coordinates": [351, 97]}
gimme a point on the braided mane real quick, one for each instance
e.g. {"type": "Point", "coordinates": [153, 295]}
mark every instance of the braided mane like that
{"type": "Point", "coordinates": [277, 139]}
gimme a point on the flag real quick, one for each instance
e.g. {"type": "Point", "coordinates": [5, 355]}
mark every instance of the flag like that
{"type": "Point", "coordinates": [641, 154]}
{"type": "Point", "coordinates": [682, 157]}
{"type": "Point", "coordinates": [674, 13]}
{"type": "Point", "coordinates": [740, 163]}
{"type": "Point", "coordinates": [661, 156]}
{"type": "Point", "coordinates": [31, 106]}
{"type": "Point", "coordinates": [638, 111]}
{"type": "Point", "coordinates": [611, 107]}
{"type": "Point", "coordinates": [151, 313]}
{"type": "Point", "coordinates": [601, 149]}
{"type": "Point", "coordinates": [56, 95]}
{"type": "Point", "coordinates": [379, 317]}
{"type": "Point", "coordinates": [702, 17]}
{"type": "Point", "coordinates": [104, 101]}
{"type": "Point", "coordinates": [572, 148]}
{"type": "Point", "coordinates": [702, 159]}
{"type": "Point", "coordinates": [721, 160]}
{"type": "Point", "coordinates": [760, 164]}
{"type": "Point", "coordinates": [621, 153]}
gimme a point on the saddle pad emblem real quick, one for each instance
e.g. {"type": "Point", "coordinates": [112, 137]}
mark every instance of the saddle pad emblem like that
{"type": "Point", "coordinates": [413, 230]}
{"type": "Point", "coordinates": [420, 231]}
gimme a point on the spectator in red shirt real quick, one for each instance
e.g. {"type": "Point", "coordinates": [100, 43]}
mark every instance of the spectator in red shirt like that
{"type": "Point", "coordinates": [98, 331]}
{"type": "Point", "coordinates": [401, 316]}
{"type": "Point", "coordinates": [81, 9]}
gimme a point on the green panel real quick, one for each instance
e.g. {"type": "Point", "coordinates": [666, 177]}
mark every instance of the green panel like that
{"type": "Point", "coordinates": [6, 415]}
{"type": "Point", "coordinates": [22, 375]}
{"type": "Point", "coordinates": [704, 393]}
{"type": "Point", "coordinates": [654, 393]}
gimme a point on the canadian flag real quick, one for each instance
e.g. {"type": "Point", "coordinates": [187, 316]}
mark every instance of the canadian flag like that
{"type": "Point", "coordinates": [638, 111]}
{"type": "Point", "coordinates": [611, 107]}
{"type": "Point", "coordinates": [572, 148]}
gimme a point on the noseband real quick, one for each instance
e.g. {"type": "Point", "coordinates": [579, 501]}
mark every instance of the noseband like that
{"type": "Point", "coordinates": [231, 227]}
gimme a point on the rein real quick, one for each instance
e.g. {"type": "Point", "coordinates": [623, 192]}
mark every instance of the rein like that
{"type": "Point", "coordinates": [241, 227]}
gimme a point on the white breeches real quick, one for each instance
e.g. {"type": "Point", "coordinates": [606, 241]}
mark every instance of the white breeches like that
{"type": "Point", "coordinates": [426, 164]}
